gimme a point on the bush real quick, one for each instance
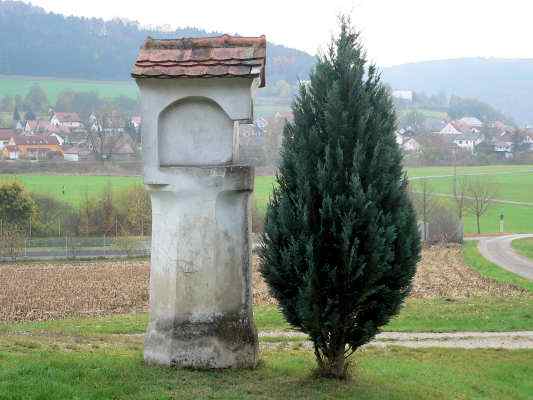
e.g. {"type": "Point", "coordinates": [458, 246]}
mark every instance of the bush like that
{"type": "Point", "coordinates": [54, 217]}
{"type": "Point", "coordinates": [444, 226]}
{"type": "Point", "coordinates": [12, 240]}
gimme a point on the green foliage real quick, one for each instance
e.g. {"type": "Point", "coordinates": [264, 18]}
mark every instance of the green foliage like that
{"type": "Point", "coordinates": [16, 204]}
{"type": "Point", "coordinates": [524, 247]}
{"type": "Point", "coordinates": [102, 368]}
{"type": "Point", "coordinates": [36, 100]}
{"type": "Point", "coordinates": [341, 243]}
{"type": "Point", "coordinates": [91, 48]}
{"type": "Point", "coordinates": [55, 217]}
{"type": "Point", "coordinates": [464, 107]}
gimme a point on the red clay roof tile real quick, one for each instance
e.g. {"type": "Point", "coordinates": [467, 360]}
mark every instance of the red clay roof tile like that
{"type": "Point", "coordinates": [208, 57]}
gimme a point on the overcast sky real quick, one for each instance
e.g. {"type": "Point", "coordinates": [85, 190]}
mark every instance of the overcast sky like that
{"type": "Point", "coordinates": [394, 31]}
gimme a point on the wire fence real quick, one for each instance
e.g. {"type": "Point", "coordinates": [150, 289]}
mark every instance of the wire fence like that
{"type": "Point", "coordinates": [72, 247]}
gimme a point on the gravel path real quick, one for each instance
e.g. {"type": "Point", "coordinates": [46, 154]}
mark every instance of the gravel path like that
{"type": "Point", "coordinates": [275, 339]}
{"type": "Point", "coordinates": [499, 251]}
{"type": "Point", "coordinates": [462, 340]}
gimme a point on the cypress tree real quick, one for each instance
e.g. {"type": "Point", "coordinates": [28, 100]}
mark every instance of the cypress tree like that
{"type": "Point", "coordinates": [341, 243]}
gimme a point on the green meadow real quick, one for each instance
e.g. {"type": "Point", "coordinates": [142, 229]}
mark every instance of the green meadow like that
{"type": "Point", "coordinates": [513, 183]}
{"type": "Point", "coordinates": [71, 188]}
{"type": "Point", "coordinates": [13, 85]}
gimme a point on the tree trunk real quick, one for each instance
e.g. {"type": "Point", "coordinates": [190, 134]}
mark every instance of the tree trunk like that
{"type": "Point", "coordinates": [333, 366]}
{"type": "Point", "coordinates": [478, 228]}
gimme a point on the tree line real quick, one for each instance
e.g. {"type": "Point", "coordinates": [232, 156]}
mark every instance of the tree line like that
{"type": "Point", "coordinates": [36, 42]}
{"type": "Point", "coordinates": [111, 212]}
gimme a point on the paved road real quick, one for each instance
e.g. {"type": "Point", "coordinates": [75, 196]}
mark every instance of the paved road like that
{"type": "Point", "coordinates": [498, 250]}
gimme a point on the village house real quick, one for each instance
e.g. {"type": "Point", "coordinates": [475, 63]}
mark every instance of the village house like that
{"type": "Point", "coordinates": [503, 149]}
{"type": "Point", "coordinates": [450, 129]}
{"type": "Point", "coordinates": [69, 120]}
{"type": "Point", "coordinates": [528, 140]}
{"type": "Point", "coordinates": [5, 137]}
{"type": "Point", "coordinates": [36, 126]}
{"type": "Point", "coordinates": [410, 145]}
{"type": "Point", "coordinates": [467, 141]}
{"type": "Point", "coordinates": [471, 122]}
{"type": "Point", "coordinates": [71, 153]}
{"type": "Point", "coordinates": [35, 147]}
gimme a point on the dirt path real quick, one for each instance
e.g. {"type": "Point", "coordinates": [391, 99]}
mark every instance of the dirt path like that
{"type": "Point", "coordinates": [287, 339]}
{"type": "Point", "coordinates": [461, 340]}
{"type": "Point", "coordinates": [499, 251]}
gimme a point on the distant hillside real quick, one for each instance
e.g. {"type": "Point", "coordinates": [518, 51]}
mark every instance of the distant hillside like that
{"type": "Point", "coordinates": [36, 43]}
{"type": "Point", "coordinates": [506, 84]}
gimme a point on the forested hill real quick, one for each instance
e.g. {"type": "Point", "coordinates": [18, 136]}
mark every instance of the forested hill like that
{"type": "Point", "coordinates": [35, 42]}
{"type": "Point", "coordinates": [506, 84]}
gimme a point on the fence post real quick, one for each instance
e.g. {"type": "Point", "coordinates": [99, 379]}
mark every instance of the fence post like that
{"type": "Point", "coordinates": [104, 245]}
{"type": "Point", "coordinates": [66, 246]}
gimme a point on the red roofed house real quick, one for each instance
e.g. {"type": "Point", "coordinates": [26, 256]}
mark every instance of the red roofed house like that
{"type": "Point", "coordinates": [5, 137]}
{"type": "Point", "coordinates": [34, 147]}
{"type": "Point", "coordinates": [67, 119]}
{"type": "Point", "coordinates": [36, 126]}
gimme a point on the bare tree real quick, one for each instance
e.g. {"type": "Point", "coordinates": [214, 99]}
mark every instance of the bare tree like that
{"type": "Point", "coordinates": [460, 187]}
{"type": "Point", "coordinates": [444, 226]}
{"type": "Point", "coordinates": [479, 193]}
{"type": "Point", "coordinates": [421, 196]}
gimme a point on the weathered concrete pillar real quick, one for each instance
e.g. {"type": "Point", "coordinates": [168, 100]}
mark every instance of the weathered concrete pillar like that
{"type": "Point", "coordinates": [200, 280]}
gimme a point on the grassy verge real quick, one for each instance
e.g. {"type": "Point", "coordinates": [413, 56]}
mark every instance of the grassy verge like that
{"type": "Point", "coordinates": [523, 247]}
{"type": "Point", "coordinates": [475, 260]}
{"type": "Point", "coordinates": [33, 368]}
{"type": "Point", "coordinates": [418, 315]}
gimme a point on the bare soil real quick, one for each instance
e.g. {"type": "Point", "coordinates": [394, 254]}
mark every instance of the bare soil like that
{"type": "Point", "coordinates": [51, 290]}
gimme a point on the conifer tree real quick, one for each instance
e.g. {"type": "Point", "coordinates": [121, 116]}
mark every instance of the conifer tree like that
{"type": "Point", "coordinates": [340, 245]}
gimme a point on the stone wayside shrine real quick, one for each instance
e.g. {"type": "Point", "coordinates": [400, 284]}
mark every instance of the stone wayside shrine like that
{"type": "Point", "coordinates": [194, 94]}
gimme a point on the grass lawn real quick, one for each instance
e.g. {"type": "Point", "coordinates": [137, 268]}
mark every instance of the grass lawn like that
{"type": "Point", "coordinates": [111, 368]}
{"type": "Point", "coordinates": [72, 188]}
{"type": "Point", "coordinates": [519, 187]}
{"type": "Point", "coordinates": [475, 260]}
{"type": "Point", "coordinates": [13, 85]}
{"type": "Point", "coordinates": [523, 246]}
{"type": "Point", "coordinates": [418, 315]}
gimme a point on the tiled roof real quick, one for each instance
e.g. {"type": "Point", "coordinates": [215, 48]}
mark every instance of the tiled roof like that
{"type": "Point", "coordinates": [36, 140]}
{"type": "Point", "coordinates": [208, 57]}
{"type": "Point", "coordinates": [38, 125]}
{"type": "Point", "coordinates": [67, 116]}
{"type": "Point", "coordinates": [6, 134]}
